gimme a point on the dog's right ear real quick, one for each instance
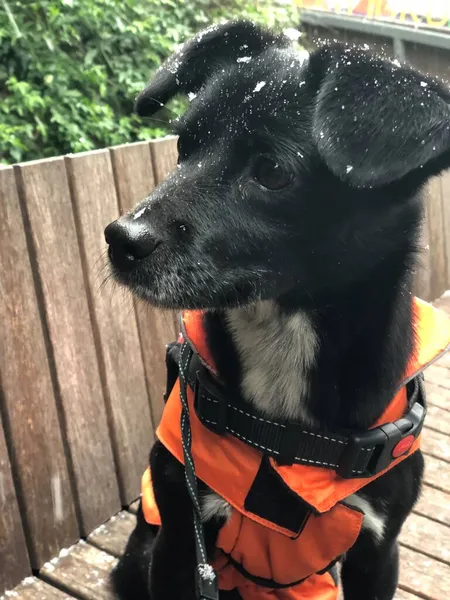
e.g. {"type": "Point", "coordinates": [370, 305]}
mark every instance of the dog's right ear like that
{"type": "Point", "coordinates": [187, 69]}
{"type": "Point", "coordinates": [374, 121]}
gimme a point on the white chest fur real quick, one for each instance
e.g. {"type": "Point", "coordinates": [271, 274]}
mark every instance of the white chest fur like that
{"type": "Point", "coordinates": [276, 352]}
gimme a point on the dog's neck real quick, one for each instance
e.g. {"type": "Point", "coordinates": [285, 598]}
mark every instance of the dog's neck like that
{"type": "Point", "coordinates": [276, 351]}
{"type": "Point", "coordinates": [335, 367]}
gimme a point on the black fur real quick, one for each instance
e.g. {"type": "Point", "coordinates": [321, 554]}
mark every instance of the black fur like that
{"type": "Point", "coordinates": [358, 136]}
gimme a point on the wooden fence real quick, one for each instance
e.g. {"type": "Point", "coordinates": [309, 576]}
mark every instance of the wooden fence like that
{"type": "Point", "coordinates": [82, 365]}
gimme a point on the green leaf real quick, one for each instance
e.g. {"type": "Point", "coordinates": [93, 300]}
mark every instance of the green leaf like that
{"type": "Point", "coordinates": [70, 69]}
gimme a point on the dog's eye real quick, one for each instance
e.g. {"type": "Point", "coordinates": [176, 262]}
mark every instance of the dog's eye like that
{"type": "Point", "coordinates": [270, 174]}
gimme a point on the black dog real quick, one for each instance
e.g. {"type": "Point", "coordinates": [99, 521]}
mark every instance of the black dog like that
{"type": "Point", "coordinates": [293, 218]}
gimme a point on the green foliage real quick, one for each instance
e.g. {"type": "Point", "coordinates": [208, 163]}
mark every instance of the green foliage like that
{"type": "Point", "coordinates": [70, 69]}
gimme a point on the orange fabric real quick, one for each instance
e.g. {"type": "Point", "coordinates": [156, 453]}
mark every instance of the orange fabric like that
{"type": "Point", "coordinates": [318, 545]}
{"type": "Point", "coordinates": [149, 507]}
{"type": "Point", "coordinates": [322, 488]}
{"type": "Point", "coordinates": [192, 324]}
{"type": "Point", "coordinates": [229, 467]}
{"type": "Point", "coordinates": [316, 587]}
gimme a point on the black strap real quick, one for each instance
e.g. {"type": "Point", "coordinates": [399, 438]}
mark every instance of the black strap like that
{"type": "Point", "coordinates": [352, 455]}
{"type": "Point", "coordinates": [275, 585]}
{"type": "Point", "coordinates": [206, 580]}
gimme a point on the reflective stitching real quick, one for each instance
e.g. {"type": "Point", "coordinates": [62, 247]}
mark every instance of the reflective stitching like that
{"type": "Point", "coordinates": [245, 413]}
{"type": "Point", "coordinates": [257, 418]}
{"type": "Point", "coordinates": [323, 437]}
{"type": "Point", "coordinates": [192, 466]}
{"type": "Point", "coordinates": [250, 441]}
{"type": "Point", "coordinates": [200, 545]}
{"type": "Point", "coordinates": [317, 435]}
{"type": "Point", "coordinates": [316, 462]}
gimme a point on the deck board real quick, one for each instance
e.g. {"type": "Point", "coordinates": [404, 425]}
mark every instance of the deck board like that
{"type": "Point", "coordinates": [83, 571]}
{"type": "Point", "coordinates": [421, 534]}
{"type": "Point", "coordinates": [32, 588]}
{"type": "Point", "coordinates": [112, 537]}
{"type": "Point", "coordinates": [436, 444]}
{"type": "Point", "coordinates": [434, 504]}
{"type": "Point", "coordinates": [424, 575]}
{"type": "Point", "coordinates": [133, 508]}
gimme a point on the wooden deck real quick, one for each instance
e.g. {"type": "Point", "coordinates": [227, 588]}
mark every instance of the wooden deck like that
{"type": "Point", "coordinates": [82, 570]}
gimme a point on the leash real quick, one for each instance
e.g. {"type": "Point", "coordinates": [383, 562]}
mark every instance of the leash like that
{"type": "Point", "coordinates": [206, 577]}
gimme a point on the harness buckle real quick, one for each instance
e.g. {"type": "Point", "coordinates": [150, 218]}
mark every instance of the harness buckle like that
{"type": "Point", "coordinates": [383, 444]}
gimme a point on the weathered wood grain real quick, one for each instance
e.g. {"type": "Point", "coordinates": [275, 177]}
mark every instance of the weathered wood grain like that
{"type": "Point", "coordinates": [164, 157]}
{"type": "Point", "coordinates": [437, 473]}
{"type": "Point", "coordinates": [430, 60]}
{"type": "Point", "coordinates": [437, 241]}
{"type": "Point", "coordinates": [436, 444]}
{"type": "Point", "coordinates": [133, 173]}
{"type": "Point", "coordinates": [438, 376]}
{"type": "Point", "coordinates": [427, 536]}
{"type": "Point", "coordinates": [14, 560]}
{"type": "Point", "coordinates": [444, 361]}
{"type": "Point", "coordinates": [402, 595]}
{"type": "Point", "coordinates": [445, 183]}
{"type": "Point", "coordinates": [423, 575]}
{"type": "Point", "coordinates": [28, 400]}
{"type": "Point", "coordinates": [117, 337]}
{"type": "Point", "coordinates": [156, 331]}
{"type": "Point", "coordinates": [112, 537]}
{"type": "Point", "coordinates": [438, 418]}
{"type": "Point", "coordinates": [443, 302]}
{"type": "Point", "coordinates": [32, 588]}
{"type": "Point", "coordinates": [133, 508]}
{"type": "Point", "coordinates": [82, 571]}
{"type": "Point", "coordinates": [45, 190]}
{"type": "Point", "coordinates": [437, 396]}
{"type": "Point", "coordinates": [422, 279]}
{"type": "Point", "coordinates": [434, 504]}
{"type": "Point", "coordinates": [156, 327]}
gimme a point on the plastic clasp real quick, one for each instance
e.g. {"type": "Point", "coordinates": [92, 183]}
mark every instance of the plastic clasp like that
{"type": "Point", "coordinates": [385, 442]}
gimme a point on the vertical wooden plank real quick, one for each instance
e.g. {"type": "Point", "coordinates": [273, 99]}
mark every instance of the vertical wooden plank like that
{"type": "Point", "coordinates": [28, 400]}
{"type": "Point", "coordinates": [422, 282]}
{"type": "Point", "coordinates": [164, 156]}
{"type": "Point", "coordinates": [134, 181]}
{"type": "Point", "coordinates": [133, 172]}
{"type": "Point", "coordinates": [48, 212]}
{"type": "Point", "coordinates": [118, 347]}
{"type": "Point", "coordinates": [429, 60]}
{"type": "Point", "coordinates": [438, 252]}
{"type": "Point", "coordinates": [157, 330]}
{"type": "Point", "coordinates": [445, 182]}
{"type": "Point", "coordinates": [13, 551]}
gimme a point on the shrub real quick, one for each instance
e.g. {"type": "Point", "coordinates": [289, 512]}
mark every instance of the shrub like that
{"type": "Point", "coordinates": [70, 69]}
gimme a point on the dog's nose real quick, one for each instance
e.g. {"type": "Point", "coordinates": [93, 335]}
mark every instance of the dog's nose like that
{"type": "Point", "coordinates": [129, 242]}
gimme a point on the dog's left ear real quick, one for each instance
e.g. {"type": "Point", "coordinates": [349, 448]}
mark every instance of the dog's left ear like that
{"type": "Point", "coordinates": [188, 68]}
{"type": "Point", "coordinates": [375, 121]}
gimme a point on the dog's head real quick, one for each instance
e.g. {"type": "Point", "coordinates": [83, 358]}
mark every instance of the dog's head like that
{"type": "Point", "coordinates": [294, 173]}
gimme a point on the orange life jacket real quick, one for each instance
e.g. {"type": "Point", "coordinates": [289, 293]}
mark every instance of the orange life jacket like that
{"type": "Point", "coordinates": [259, 555]}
